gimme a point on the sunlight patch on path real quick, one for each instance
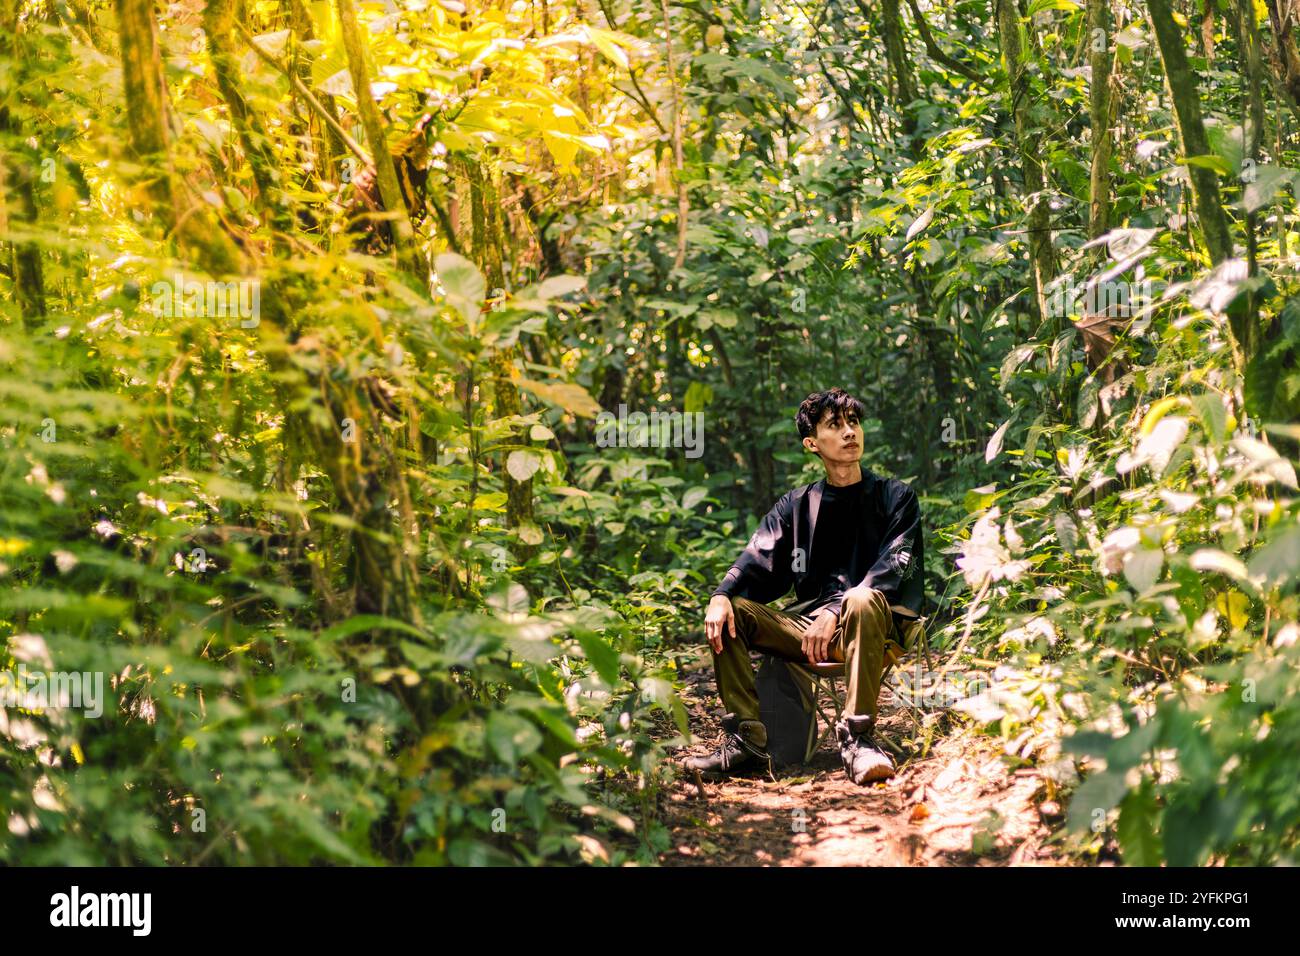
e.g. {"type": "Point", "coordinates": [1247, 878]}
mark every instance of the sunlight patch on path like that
{"type": "Point", "coordinates": [958, 806]}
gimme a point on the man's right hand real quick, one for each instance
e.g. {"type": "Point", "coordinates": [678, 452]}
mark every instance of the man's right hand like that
{"type": "Point", "coordinates": [718, 617]}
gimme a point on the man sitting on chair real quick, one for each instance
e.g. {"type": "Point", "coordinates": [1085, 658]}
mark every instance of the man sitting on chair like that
{"type": "Point", "coordinates": [850, 544]}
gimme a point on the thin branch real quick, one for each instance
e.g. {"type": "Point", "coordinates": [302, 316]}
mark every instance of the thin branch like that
{"type": "Point", "coordinates": [639, 95]}
{"type": "Point", "coordinates": [360, 151]}
{"type": "Point", "coordinates": [937, 54]}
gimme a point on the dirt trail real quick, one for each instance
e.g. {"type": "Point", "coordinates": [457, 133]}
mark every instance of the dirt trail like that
{"type": "Point", "coordinates": [956, 806]}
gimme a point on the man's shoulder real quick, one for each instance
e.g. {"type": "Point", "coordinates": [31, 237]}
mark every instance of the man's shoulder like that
{"type": "Point", "coordinates": [785, 505]}
{"type": "Point", "coordinates": [804, 489]}
{"type": "Point", "coordinates": [794, 494]}
{"type": "Point", "coordinates": [892, 490]}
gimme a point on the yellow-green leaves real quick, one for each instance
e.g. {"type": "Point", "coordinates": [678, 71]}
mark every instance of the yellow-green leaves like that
{"type": "Point", "coordinates": [1158, 411]}
{"type": "Point", "coordinates": [463, 284]}
{"type": "Point", "coordinates": [572, 398]}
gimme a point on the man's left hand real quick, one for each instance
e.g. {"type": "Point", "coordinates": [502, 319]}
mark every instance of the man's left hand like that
{"type": "Point", "coordinates": [818, 635]}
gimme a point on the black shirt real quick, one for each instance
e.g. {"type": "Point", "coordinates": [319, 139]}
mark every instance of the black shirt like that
{"type": "Point", "coordinates": [835, 537]}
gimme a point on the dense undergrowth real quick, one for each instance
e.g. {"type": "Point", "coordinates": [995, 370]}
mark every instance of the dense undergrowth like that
{"type": "Point", "coordinates": [1134, 579]}
{"type": "Point", "coordinates": [360, 580]}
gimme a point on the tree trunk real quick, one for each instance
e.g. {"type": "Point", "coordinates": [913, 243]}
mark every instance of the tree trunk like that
{"type": "Point", "coordinates": [1191, 130]}
{"type": "Point", "coordinates": [18, 177]}
{"type": "Point", "coordinates": [390, 191]}
{"type": "Point", "coordinates": [933, 49]}
{"type": "Point", "coordinates": [1028, 144]}
{"type": "Point", "coordinates": [489, 256]}
{"type": "Point", "coordinates": [189, 222]}
{"type": "Point", "coordinates": [936, 343]}
{"type": "Point", "coordinates": [218, 22]}
{"type": "Point", "coordinates": [1099, 61]}
{"type": "Point", "coordinates": [328, 146]}
{"type": "Point", "coordinates": [1252, 68]}
{"type": "Point", "coordinates": [899, 64]}
{"type": "Point", "coordinates": [1207, 31]}
{"type": "Point", "coordinates": [683, 201]}
{"type": "Point", "coordinates": [1284, 55]}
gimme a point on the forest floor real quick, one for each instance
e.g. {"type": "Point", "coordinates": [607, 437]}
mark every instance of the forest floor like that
{"type": "Point", "coordinates": [957, 805]}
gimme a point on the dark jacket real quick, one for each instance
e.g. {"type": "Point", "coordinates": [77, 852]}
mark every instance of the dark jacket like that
{"type": "Point", "coordinates": [888, 555]}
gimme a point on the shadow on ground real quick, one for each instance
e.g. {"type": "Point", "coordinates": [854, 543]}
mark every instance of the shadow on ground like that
{"type": "Point", "coordinates": [957, 805]}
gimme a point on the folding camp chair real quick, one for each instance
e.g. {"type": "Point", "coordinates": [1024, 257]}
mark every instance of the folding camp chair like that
{"type": "Point", "coordinates": [819, 680]}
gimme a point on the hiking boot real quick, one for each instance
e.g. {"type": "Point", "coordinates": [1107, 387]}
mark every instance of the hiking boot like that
{"type": "Point", "coordinates": [735, 753]}
{"type": "Point", "coordinates": [863, 761]}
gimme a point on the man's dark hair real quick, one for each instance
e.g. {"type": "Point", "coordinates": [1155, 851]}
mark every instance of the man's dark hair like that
{"type": "Point", "coordinates": [815, 405]}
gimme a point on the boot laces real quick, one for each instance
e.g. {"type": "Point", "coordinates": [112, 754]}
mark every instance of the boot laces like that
{"type": "Point", "coordinates": [852, 743]}
{"type": "Point", "coordinates": [731, 747]}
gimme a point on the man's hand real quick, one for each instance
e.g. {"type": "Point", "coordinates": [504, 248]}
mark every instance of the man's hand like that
{"type": "Point", "coordinates": [818, 635]}
{"type": "Point", "coordinates": [716, 618]}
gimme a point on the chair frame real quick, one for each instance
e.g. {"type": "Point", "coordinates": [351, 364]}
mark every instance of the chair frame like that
{"type": "Point", "coordinates": [820, 680]}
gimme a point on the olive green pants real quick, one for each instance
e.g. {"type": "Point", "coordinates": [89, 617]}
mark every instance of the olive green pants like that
{"type": "Point", "coordinates": [866, 623]}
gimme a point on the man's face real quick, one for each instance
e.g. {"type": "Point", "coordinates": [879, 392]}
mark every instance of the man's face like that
{"type": "Point", "coordinates": [838, 439]}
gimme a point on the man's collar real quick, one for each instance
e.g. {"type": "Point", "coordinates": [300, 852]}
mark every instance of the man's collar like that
{"type": "Point", "coordinates": [815, 491]}
{"type": "Point", "coordinates": [814, 502]}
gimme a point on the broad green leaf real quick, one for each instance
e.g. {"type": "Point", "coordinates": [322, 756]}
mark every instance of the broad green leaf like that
{"type": "Point", "coordinates": [921, 222]}
{"type": "Point", "coordinates": [1096, 796]}
{"type": "Point", "coordinates": [693, 497]}
{"type": "Point", "coordinates": [1278, 561]}
{"type": "Point", "coordinates": [603, 657]}
{"type": "Point", "coordinates": [522, 465]}
{"type": "Point", "coordinates": [1262, 183]}
{"type": "Point", "coordinates": [1142, 568]}
{"type": "Point", "coordinates": [558, 286]}
{"type": "Point", "coordinates": [465, 285]}
{"type": "Point", "coordinates": [1209, 161]}
{"type": "Point", "coordinates": [1211, 559]}
{"type": "Point", "coordinates": [1041, 6]}
{"type": "Point", "coordinates": [359, 623]}
{"type": "Point", "coordinates": [572, 398]}
{"type": "Point", "coordinates": [1136, 828]}
{"type": "Point", "coordinates": [607, 44]}
{"type": "Point", "coordinates": [512, 737]}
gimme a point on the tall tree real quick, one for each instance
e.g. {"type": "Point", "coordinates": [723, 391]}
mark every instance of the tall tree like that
{"type": "Point", "coordinates": [488, 248]}
{"type": "Point", "coordinates": [1029, 145]}
{"type": "Point", "coordinates": [1185, 95]}
{"type": "Point", "coordinates": [1252, 68]}
{"type": "Point", "coordinates": [1100, 57]}
{"type": "Point", "coordinates": [900, 64]}
{"type": "Point", "coordinates": [18, 175]}
{"type": "Point", "coordinates": [218, 24]}
{"type": "Point", "coordinates": [390, 189]}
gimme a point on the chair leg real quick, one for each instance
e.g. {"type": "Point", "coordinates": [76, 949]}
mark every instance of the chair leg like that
{"type": "Point", "coordinates": [837, 705]}
{"type": "Point", "coordinates": [808, 688]}
{"type": "Point", "coordinates": [817, 685]}
{"type": "Point", "coordinates": [827, 721]}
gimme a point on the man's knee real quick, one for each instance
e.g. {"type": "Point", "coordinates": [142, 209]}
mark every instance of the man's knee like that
{"type": "Point", "coordinates": [864, 599]}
